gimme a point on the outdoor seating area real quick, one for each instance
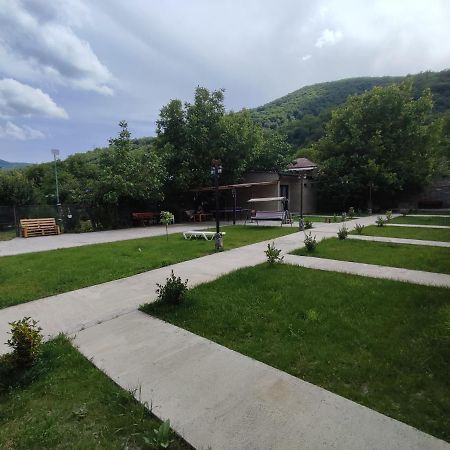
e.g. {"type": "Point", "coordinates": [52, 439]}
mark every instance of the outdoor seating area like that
{"type": "Point", "coordinates": [145, 218]}
{"type": "Point", "coordinates": [38, 227]}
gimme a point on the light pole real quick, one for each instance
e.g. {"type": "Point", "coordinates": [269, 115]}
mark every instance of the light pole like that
{"type": "Point", "coordinates": [369, 209]}
{"type": "Point", "coordinates": [216, 169]}
{"type": "Point", "coordinates": [301, 224]}
{"type": "Point", "coordinates": [233, 193]}
{"type": "Point", "coordinates": [55, 153]}
{"type": "Point", "coordinates": [302, 181]}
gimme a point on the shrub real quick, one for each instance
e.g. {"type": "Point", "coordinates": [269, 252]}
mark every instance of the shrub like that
{"type": "Point", "coordinates": [311, 315]}
{"type": "Point", "coordinates": [404, 212]}
{"type": "Point", "coordinates": [25, 341]}
{"type": "Point", "coordinates": [162, 436]}
{"type": "Point", "coordinates": [310, 242]}
{"type": "Point", "coordinates": [342, 233]}
{"type": "Point", "coordinates": [273, 254]}
{"type": "Point", "coordinates": [351, 212]}
{"type": "Point", "coordinates": [334, 217]}
{"type": "Point", "coordinates": [343, 217]}
{"type": "Point", "coordinates": [173, 292]}
{"type": "Point", "coordinates": [380, 221]}
{"type": "Point", "coordinates": [86, 226]}
{"type": "Point", "coordinates": [359, 228]}
{"type": "Point", "coordinates": [166, 218]}
{"type": "Point", "coordinates": [388, 215]}
{"type": "Point", "coordinates": [307, 224]}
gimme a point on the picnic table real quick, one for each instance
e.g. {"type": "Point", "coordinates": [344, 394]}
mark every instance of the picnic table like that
{"type": "Point", "coordinates": [207, 235]}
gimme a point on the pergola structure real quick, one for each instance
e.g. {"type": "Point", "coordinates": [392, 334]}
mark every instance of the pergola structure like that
{"type": "Point", "coordinates": [233, 188]}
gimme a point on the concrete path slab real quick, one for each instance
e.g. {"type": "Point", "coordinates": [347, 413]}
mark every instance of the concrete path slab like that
{"type": "Point", "coordinates": [361, 237]}
{"type": "Point", "coordinates": [370, 270]}
{"type": "Point", "coordinates": [19, 246]}
{"type": "Point", "coordinates": [217, 398]}
{"type": "Point", "coordinates": [427, 215]}
{"type": "Point", "coordinates": [72, 311]}
{"type": "Point", "coordinates": [409, 225]}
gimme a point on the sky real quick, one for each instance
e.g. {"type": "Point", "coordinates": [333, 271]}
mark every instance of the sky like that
{"type": "Point", "coordinates": [70, 70]}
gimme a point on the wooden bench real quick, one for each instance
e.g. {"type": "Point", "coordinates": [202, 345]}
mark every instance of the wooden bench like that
{"type": "Point", "coordinates": [38, 227]}
{"type": "Point", "coordinates": [145, 218]}
{"type": "Point", "coordinates": [282, 216]}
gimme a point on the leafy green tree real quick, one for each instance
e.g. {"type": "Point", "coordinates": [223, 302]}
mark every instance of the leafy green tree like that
{"type": "Point", "coordinates": [126, 175]}
{"type": "Point", "coordinates": [381, 141]}
{"type": "Point", "coordinates": [190, 136]}
{"type": "Point", "coordinates": [16, 189]}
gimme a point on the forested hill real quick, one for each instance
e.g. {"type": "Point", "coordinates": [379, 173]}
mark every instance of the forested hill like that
{"type": "Point", "coordinates": [11, 165]}
{"type": "Point", "coordinates": [303, 113]}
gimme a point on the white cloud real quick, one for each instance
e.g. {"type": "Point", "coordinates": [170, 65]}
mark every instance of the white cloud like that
{"type": "Point", "coordinates": [329, 37]}
{"type": "Point", "coordinates": [306, 57]}
{"type": "Point", "coordinates": [12, 131]}
{"type": "Point", "coordinates": [18, 99]}
{"type": "Point", "coordinates": [39, 44]}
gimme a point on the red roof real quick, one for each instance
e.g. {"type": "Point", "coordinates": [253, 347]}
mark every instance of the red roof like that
{"type": "Point", "coordinates": [302, 163]}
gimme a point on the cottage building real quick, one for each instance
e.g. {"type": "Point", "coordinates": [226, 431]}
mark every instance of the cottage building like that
{"type": "Point", "coordinates": [287, 183]}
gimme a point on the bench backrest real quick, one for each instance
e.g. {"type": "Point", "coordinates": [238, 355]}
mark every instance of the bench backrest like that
{"type": "Point", "coordinates": [144, 215]}
{"type": "Point", "coordinates": [44, 222]}
{"type": "Point", "coordinates": [269, 215]}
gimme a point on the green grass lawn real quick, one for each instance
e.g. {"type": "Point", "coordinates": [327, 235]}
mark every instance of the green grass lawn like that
{"type": "Point", "coordinates": [7, 235]}
{"type": "Point", "coordinates": [35, 275]}
{"type": "Point", "coordinates": [427, 234]}
{"type": "Point", "coordinates": [381, 343]}
{"type": "Point", "coordinates": [65, 402]}
{"type": "Point", "coordinates": [416, 257]}
{"type": "Point", "coordinates": [411, 220]}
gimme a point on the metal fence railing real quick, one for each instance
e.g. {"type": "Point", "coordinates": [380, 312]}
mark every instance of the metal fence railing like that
{"type": "Point", "coordinates": [71, 218]}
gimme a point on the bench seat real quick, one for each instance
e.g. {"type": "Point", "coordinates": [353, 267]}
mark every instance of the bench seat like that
{"type": "Point", "coordinates": [38, 227]}
{"type": "Point", "coordinates": [282, 216]}
{"type": "Point", "coordinates": [145, 218]}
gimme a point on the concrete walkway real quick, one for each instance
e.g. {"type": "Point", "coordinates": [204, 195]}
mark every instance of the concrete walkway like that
{"type": "Point", "coordinates": [213, 396]}
{"type": "Point", "coordinates": [409, 225]}
{"type": "Point", "coordinates": [427, 215]}
{"type": "Point", "coordinates": [19, 246]}
{"type": "Point", "coordinates": [217, 398]}
{"type": "Point", "coordinates": [361, 237]}
{"type": "Point", "coordinates": [74, 310]}
{"type": "Point", "coordinates": [370, 270]}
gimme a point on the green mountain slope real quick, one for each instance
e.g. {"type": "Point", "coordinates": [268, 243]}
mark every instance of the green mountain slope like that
{"type": "Point", "coordinates": [302, 114]}
{"type": "Point", "coordinates": [11, 165]}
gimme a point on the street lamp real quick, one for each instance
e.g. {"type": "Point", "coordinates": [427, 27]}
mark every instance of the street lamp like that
{"type": "Point", "coordinates": [55, 153]}
{"type": "Point", "coordinates": [302, 177]}
{"type": "Point", "coordinates": [216, 169]}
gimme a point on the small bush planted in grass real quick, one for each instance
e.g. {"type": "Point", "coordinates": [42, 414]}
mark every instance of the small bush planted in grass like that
{"type": "Point", "coordinates": [342, 233]}
{"type": "Point", "coordinates": [307, 224]}
{"type": "Point", "coordinates": [173, 292]}
{"type": "Point", "coordinates": [359, 228]}
{"type": "Point", "coordinates": [334, 217]}
{"type": "Point", "coordinates": [388, 216]}
{"type": "Point", "coordinates": [311, 315]}
{"type": "Point", "coordinates": [25, 341]}
{"type": "Point", "coordinates": [162, 436]}
{"type": "Point", "coordinates": [273, 254]}
{"type": "Point", "coordinates": [166, 218]}
{"type": "Point", "coordinates": [310, 242]}
{"type": "Point", "coordinates": [351, 212]}
{"type": "Point", "coordinates": [380, 221]}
